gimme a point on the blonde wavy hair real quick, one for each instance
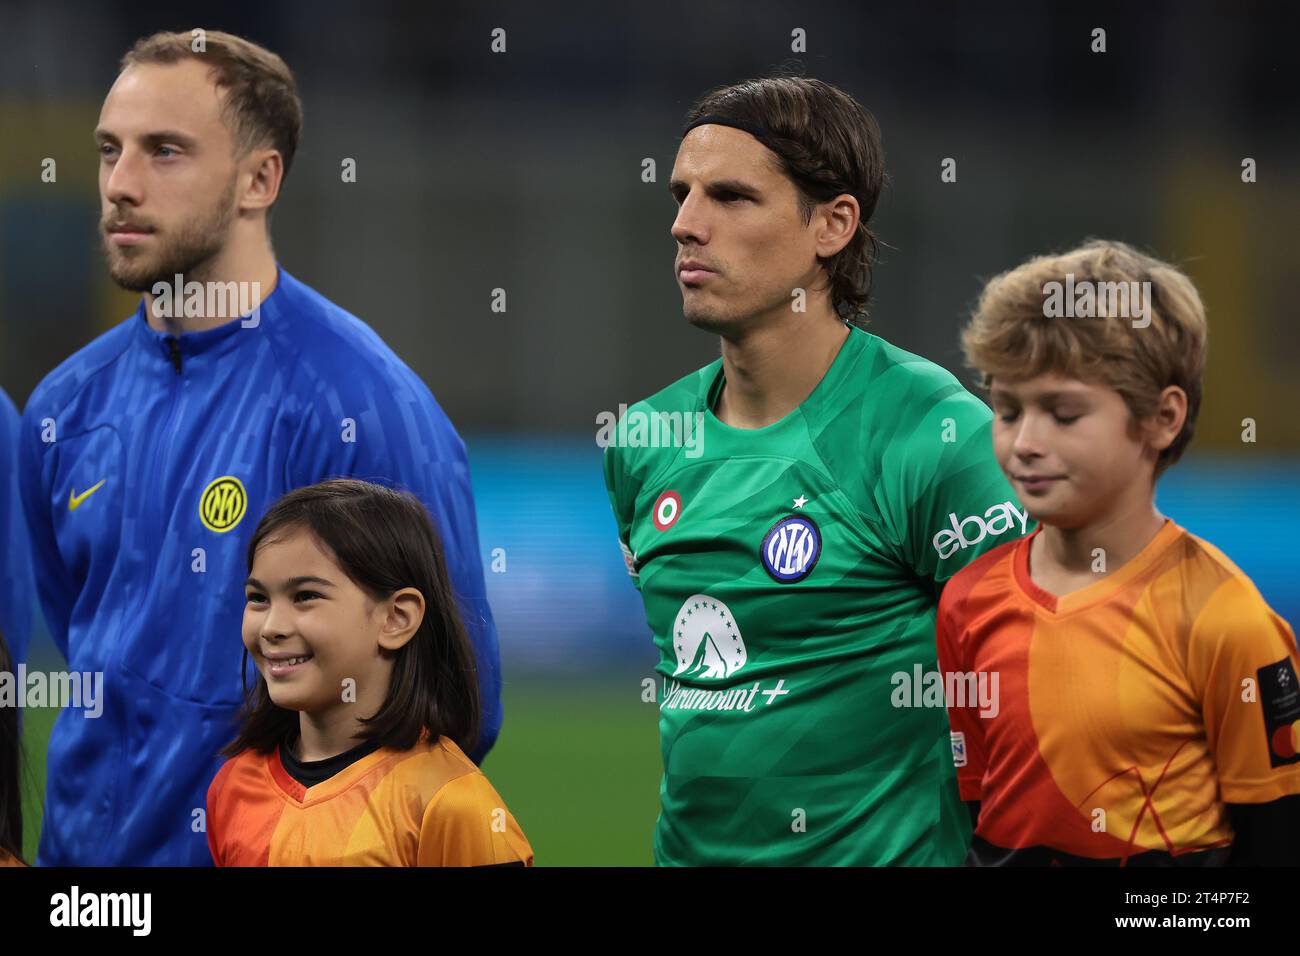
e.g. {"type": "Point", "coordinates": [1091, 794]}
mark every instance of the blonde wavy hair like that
{"type": "Point", "coordinates": [1011, 336]}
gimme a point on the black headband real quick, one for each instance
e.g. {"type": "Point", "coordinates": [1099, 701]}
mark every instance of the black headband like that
{"type": "Point", "coordinates": [757, 132]}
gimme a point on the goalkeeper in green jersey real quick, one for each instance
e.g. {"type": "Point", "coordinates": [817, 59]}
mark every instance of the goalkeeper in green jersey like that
{"type": "Point", "coordinates": [791, 511]}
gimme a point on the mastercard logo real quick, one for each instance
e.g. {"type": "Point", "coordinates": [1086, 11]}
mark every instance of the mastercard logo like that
{"type": "Point", "coordinates": [1286, 740]}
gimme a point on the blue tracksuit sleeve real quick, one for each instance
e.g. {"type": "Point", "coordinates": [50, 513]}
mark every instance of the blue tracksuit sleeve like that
{"type": "Point", "coordinates": [392, 431]}
{"type": "Point", "coordinates": [54, 583]}
{"type": "Point", "coordinates": [16, 584]}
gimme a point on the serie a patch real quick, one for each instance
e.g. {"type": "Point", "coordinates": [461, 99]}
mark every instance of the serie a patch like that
{"type": "Point", "coordinates": [958, 748]}
{"type": "Point", "coordinates": [1279, 693]}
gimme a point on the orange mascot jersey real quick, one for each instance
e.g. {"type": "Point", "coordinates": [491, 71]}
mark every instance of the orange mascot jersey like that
{"type": "Point", "coordinates": [428, 806]}
{"type": "Point", "coordinates": [1120, 718]}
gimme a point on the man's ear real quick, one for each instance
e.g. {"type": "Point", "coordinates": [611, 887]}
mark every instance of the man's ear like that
{"type": "Point", "coordinates": [837, 223]}
{"type": "Point", "coordinates": [261, 173]}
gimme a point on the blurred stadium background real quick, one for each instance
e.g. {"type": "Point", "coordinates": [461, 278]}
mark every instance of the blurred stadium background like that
{"type": "Point", "coordinates": [522, 171]}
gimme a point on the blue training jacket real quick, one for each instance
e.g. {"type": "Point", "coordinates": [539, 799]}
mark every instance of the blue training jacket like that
{"type": "Point", "coordinates": [161, 420]}
{"type": "Point", "coordinates": [17, 588]}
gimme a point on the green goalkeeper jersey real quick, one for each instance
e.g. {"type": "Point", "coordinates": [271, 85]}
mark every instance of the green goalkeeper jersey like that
{"type": "Point", "coordinates": [790, 576]}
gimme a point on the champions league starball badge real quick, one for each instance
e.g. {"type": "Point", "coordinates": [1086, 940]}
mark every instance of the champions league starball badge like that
{"type": "Point", "coordinates": [791, 549]}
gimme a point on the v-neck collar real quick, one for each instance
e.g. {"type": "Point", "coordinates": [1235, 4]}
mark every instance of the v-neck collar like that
{"type": "Point", "coordinates": [853, 346]}
{"type": "Point", "coordinates": [1093, 593]}
{"type": "Point", "coordinates": [306, 796]}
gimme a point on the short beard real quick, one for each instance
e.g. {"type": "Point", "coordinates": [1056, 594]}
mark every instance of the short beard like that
{"type": "Point", "coordinates": [715, 316]}
{"type": "Point", "coordinates": [707, 321]}
{"type": "Point", "coordinates": [197, 242]}
{"type": "Point", "coordinates": [729, 325]}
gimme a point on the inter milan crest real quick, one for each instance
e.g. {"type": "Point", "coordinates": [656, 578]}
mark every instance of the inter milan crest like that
{"type": "Point", "coordinates": [223, 503]}
{"type": "Point", "coordinates": [791, 549]}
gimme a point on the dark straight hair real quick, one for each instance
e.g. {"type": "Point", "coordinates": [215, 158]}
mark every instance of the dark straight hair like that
{"type": "Point", "coordinates": [11, 807]}
{"type": "Point", "coordinates": [384, 541]}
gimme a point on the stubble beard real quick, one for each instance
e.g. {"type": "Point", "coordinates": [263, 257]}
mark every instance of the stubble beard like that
{"type": "Point", "coordinates": [197, 242]}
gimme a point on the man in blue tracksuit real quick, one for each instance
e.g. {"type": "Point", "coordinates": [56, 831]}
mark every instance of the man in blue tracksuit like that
{"type": "Point", "coordinates": [17, 589]}
{"type": "Point", "coordinates": [148, 457]}
{"type": "Point", "coordinates": [17, 597]}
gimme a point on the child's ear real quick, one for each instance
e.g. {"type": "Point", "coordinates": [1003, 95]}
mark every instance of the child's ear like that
{"type": "Point", "coordinates": [404, 614]}
{"type": "Point", "coordinates": [1167, 422]}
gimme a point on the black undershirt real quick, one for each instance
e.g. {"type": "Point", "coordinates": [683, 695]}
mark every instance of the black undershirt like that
{"type": "Point", "coordinates": [311, 772]}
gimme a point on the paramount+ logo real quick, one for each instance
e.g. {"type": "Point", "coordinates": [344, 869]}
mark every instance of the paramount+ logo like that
{"type": "Point", "coordinates": [973, 529]}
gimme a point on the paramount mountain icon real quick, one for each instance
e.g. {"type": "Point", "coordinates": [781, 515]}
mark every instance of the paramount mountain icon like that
{"type": "Point", "coordinates": [707, 640]}
{"type": "Point", "coordinates": [708, 660]}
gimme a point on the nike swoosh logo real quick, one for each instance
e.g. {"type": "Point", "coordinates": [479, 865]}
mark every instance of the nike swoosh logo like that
{"type": "Point", "coordinates": [75, 500]}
